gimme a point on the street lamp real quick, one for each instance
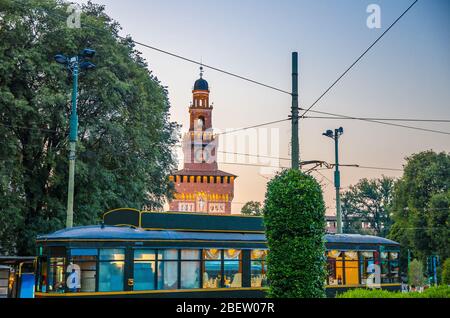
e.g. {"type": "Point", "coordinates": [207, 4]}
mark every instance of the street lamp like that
{"type": "Point", "coordinates": [73, 64]}
{"type": "Point", "coordinates": [337, 176]}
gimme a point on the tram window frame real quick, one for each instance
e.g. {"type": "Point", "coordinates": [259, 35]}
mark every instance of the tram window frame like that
{"type": "Point", "coordinates": [236, 280]}
{"type": "Point", "coordinates": [333, 264]}
{"type": "Point", "coordinates": [394, 276]}
{"type": "Point", "coordinates": [152, 261]}
{"type": "Point", "coordinates": [364, 263]}
{"type": "Point", "coordinates": [186, 260]}
{"type": "Point", "coordinates": [102, 260]}
{"type": "Point", "coordinates": [384, 266]}
{"type": "Point", "coordinates": [42, 274]}
{"type": "Point", "coordinates": [260, 260]}
{"type": "Point", "coordinates": [351, 264]}
{"type": "Point", "coordinates": [208, 261]}
{"type": "Point", "coordinates": [84, 256]}
{"type": "Point", "coordinates": [51, 288]}
{"type": "Point", "coordinates": [161, 266]}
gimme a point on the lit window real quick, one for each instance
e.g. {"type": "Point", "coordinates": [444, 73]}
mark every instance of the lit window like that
{"type": "Point", "coordinates": [212, 268]}
{"type": "Point", "coordinates": [258, 268]}
{"type": "Point", "coordinates": [232, 269]}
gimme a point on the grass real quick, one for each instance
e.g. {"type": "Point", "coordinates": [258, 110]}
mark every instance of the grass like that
{"type": "Point", "coordinates": [432, 292]}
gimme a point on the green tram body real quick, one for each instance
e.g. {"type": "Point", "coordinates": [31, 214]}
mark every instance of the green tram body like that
{"type": "Point", "coordinates": [184, 255]}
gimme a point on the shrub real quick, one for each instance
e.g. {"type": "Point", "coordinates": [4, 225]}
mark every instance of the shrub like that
{"type": "Point", "coordinates": [446, 272]}
{"type": "Point", "coordinates": [294, 216]}
{"type": "Point", "coordinates": [415, 274]}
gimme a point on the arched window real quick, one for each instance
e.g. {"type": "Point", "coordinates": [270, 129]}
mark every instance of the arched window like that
{"type": "Point", "coordinates": [200, 123]}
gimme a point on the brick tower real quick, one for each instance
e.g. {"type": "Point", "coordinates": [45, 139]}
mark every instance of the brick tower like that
{"type": "Point", "coordinates": [200, 186]}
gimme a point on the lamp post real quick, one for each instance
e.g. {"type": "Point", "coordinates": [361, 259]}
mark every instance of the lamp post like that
{"type": "Point", "coordinates": [74, 64]}
{"type": "Point", "coordinates": [337, 176]}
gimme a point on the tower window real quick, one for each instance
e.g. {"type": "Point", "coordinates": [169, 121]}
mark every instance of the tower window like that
{"type": "Point", "coordinates": [199, 123]}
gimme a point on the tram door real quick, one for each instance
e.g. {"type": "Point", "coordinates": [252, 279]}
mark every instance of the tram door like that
{"type": "Point", "coordinates": [26, 280]}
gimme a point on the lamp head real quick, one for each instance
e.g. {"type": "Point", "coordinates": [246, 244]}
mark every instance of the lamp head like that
{"type": "Point", "coordinates": [340, 130]}
{"type": "Point", "coordinates": [328, 133]}
{"type": "Point", "coordinates": [86, 65]}
{"type": "Point", "coordinates": [88, 53]}
{"type": "Point", "coordinates": [61, 59]}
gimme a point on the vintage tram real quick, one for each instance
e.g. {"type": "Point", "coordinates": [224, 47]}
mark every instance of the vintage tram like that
{"type": "Point", "coordinates": [152, 254]}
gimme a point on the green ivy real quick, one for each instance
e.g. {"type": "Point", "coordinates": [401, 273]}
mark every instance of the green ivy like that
{"type": "Point", "coordinates": [294, 217]}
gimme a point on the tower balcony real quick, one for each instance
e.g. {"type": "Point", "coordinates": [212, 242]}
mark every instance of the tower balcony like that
{"type": "Point", "coordinates": [200, 136]}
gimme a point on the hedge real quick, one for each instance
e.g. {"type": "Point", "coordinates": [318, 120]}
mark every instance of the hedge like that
{"type": "Point", "coordinates": [294, 217]}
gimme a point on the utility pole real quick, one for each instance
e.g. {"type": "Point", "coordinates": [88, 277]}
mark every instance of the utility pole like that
{"type": "Point", "coordinates": [73, 137]}
{"type": "Point", "coordinates": [73, 65]}
{"type": "Point", "coordinates": [295, 153]}
{"type": "Point", "coordinates": [337, 175]}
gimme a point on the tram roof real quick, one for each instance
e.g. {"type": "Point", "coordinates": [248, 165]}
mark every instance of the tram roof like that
{"type": "Point", "coordinates": [358, 239]}
{"type": "Point", "coordinates": [99, 232]}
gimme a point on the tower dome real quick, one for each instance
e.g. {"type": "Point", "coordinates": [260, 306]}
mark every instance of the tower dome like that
{"type": "Point", "coordinates": [201, 84]}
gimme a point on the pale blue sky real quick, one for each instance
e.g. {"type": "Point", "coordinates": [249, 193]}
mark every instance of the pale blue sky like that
{"type": "Point", "coordinates": [407, 74]}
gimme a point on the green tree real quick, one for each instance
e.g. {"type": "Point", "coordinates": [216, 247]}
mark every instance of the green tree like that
{"type": "Point", "coordinates": [124, 153]}
{"type": "Point", "coordinates": [252, 208]}
{"type": "Point", "coordinates": [421, 206]}
{"type": "Point", "coordinates": [446, 272]}
{"type": "Point", "coordinates": [439, 224]}
{"type": "Point", "coordinates": [368, 201]}
{"type": "Point", "coordinates": [415, 274]}
{"type": "Point", "coordinates": [294, 217]}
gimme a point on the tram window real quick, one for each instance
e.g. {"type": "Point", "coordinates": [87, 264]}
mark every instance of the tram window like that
{"type": "Point", "coordinates": [335, 267]}
{"type": "Point", "coordinates": [190, 269]}
{"type": "Point", "coordinates": [232, 268]}
{"type": "Point", "coordinates": [212, 268]}
{"type": "Point", "coordinates": [111, 270]}
{"type": "Point", "coordinates": [258, 268]}
{"type": "Point", "coordinates": [56, 277]}
{"type": "Point", "coordinates": [42, 279]}
{"type": "Point", "coordinates": [351, 268]}
{"type": "Point", "coordinates": [144, 269]}
{"type": "Point", "coordinates": [394, 267]}
{"type": "Point", "coordinates": [367, 262]}
{"type": "Point", "coordinates": [168, 269]}
{"type": "Point", "coordinates": [384, 267]}
{"type": "Point", "coordinates": [84, 264]}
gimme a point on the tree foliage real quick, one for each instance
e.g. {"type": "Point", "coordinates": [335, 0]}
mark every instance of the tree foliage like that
{"type": "Point", "coordinates": [124, 151]}
{"type": "Point", "coordinates": [368, 201]}
{"type": "Point", "coordinates": [294, 216]}
{"type": "Point", "coordinates": [252, 208]}
{"type": "Point", "coordinates": [421, 206]}
{"type": "Point", "coordinates": [415, 274]}
{"type": "Point", "coordinates": [446, 272]}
